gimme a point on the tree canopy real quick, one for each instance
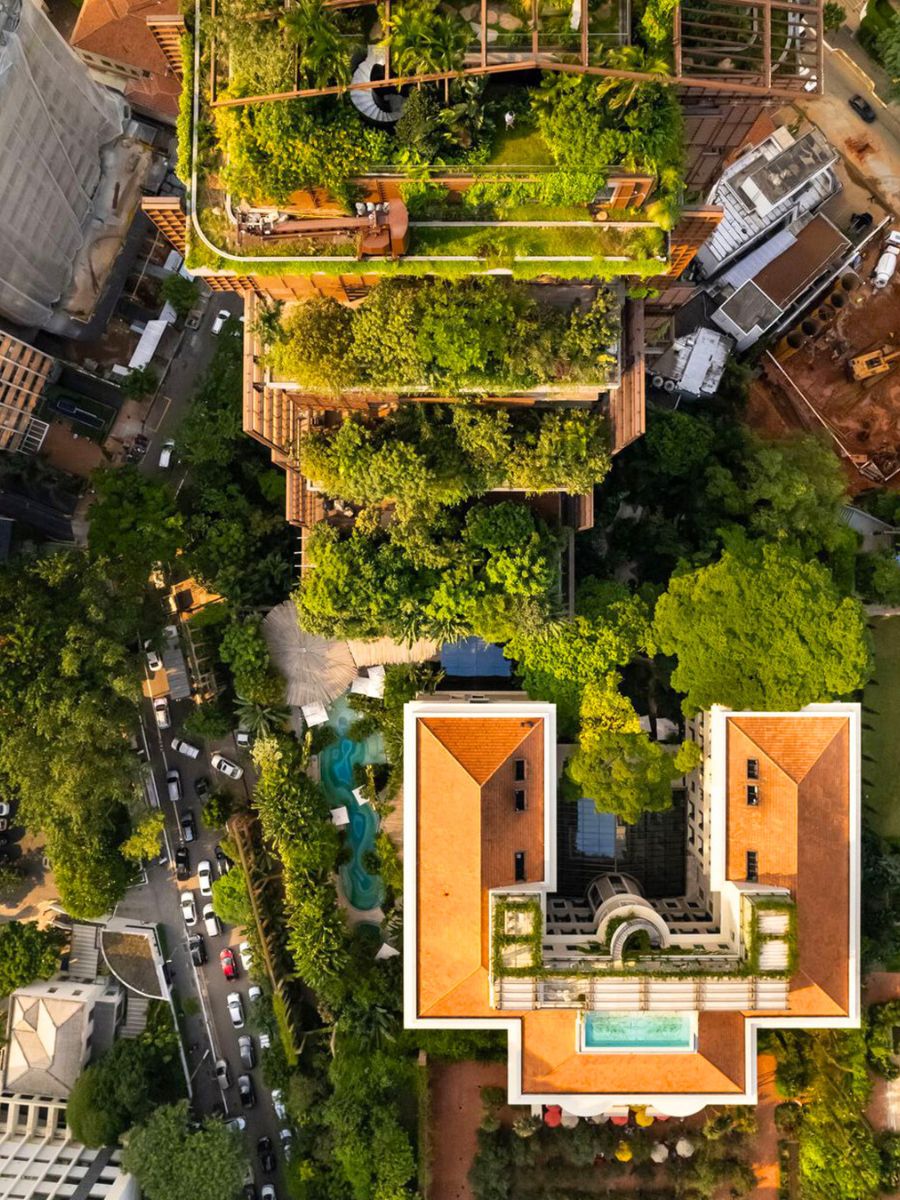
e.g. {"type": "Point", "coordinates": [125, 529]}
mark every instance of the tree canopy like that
{"type": "Point", "coordinates": [69, 688]}
{"type": "Point", "coordinates": [477, 333]}
{"type": "Point", "coordinates": [764, 629]}
{"type": "Point", "coordinates": [127, 1083]}
{"type": "Point", "coordinates": [172, 1159]}
{"type": "Point", "coordinates": [133, 523]}
{"type": "Point", "coordinates": [26, 954]}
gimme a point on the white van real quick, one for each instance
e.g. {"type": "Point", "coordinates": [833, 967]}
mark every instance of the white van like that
{"type": "Point", "coordinates": [165, 455]}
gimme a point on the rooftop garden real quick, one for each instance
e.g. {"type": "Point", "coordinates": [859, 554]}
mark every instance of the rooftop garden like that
{"type": "Point", "coordinates": [431, 337]}
{"type": "Point", "coordinates": [533, 152]}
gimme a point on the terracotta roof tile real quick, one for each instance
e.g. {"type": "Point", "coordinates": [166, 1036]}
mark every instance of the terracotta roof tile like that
{"type": "Point", "coordinates": [479, 745]}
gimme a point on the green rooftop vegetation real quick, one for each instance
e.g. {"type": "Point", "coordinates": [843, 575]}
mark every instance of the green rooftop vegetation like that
{"type": "Point", "coordinates": [572, 130]}
{"type": "Point", "coordinates": [431, 337]}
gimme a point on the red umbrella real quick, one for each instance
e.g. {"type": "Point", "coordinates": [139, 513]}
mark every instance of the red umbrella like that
{"type": "Point", "coordinates": [618, 1120]}
{"type": "Point", "coordinates": [659, 1117]}
{"type": "Point", "coordinates": [552, 1115]}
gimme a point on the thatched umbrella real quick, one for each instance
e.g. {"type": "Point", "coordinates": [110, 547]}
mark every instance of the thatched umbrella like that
{"type": "Point", "coordinates": [316, 671]}
{"type": "Point", "coordinates": [684, 1148]}
{"type": "Point", "coordinates": [659, 1153]}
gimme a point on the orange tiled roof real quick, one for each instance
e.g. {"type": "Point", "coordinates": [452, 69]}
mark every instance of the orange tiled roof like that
{"type": "Point", "coordinates": [801, 834]}
{"type": "Point", "coordinates": [117, 30]}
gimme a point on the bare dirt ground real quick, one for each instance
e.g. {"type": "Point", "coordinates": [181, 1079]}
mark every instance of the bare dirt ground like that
{"type": "Point", "coordinates": [456, 1113]}
{"type": "Point", "coordinates": [819, 394]}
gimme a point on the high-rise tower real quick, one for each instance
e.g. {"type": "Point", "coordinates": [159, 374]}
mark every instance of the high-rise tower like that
{"type": "Point", "coordinates": [54, 124]}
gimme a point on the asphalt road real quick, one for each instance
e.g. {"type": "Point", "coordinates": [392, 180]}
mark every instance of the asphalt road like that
{"type": "Point", "coordinates": [192, 359]}
{"type": "Point", "coordinates": [210, 1034]}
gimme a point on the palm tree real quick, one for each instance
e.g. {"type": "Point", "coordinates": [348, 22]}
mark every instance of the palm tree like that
{"type": "Point", "coordinates": [322, 55]}
{"type": "Point", "coordinates": [621, 93]}
{"type": "Point", "coordinates": [260, 719]}
{"type": "Point", "coordinates": [423, 40]}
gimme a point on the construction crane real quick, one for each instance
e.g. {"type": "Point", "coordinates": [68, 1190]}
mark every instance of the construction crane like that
{"type": "Point", "coordinates": [874, 362]}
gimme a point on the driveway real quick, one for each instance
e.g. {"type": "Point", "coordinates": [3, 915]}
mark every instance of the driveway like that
{"type": "Point", "coordinates": [871, 151]}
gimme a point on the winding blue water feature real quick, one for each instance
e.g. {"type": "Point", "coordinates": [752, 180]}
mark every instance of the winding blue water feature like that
{"type": "Point", "coordinates": [362, 889]}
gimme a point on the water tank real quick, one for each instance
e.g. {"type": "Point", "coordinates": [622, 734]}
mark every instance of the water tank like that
{"type": "Point", "coordinates": [658, 381]}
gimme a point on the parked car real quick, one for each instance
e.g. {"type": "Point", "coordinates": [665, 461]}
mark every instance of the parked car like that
{"type": "Point", "coordinates": [5, 809]}
{"type": "Point", "coordinates": [194, 317]}
{"type": "Point", "coordinates": [188, 908]}
{"type": "Point", "coordinates": [4, 824]}
{"type": "Point", "coordinates": [250, 1192]}
{"type": "Point", "coordinates": [254, 993]}
{"type": "Point", "coordinates": [247, 1053]}
{"type": "Point", "coordinates": [863, 108]}
{"type": "Point", "coordinates": [211, 921]}
{"type": "Point", "coordinates": [197, 947]}
{"type": "Point", "coordinates": [185, 748]}
{"type": "Point", "coordinates": [242, 738]}
{"type": "Point", "coordinates": [188, 826]}
{"type": "Point", "coordinates": [222, 860]}
{"type": "Point", "coordinates": [182, 862]}
{"type": "Point", "coordinates": [201, 787]}
{"type": "Point", "coordinates": [287, 1142]}
{"type": "Point", "coordinates": [267, 1192]}
{"type": "Point", "coordinates": [223, 1075]}
{"type": "Point", "coordinates": [173, 785]}
{"type": "Point", "coordinates": [265, 1040]}
{"type": "Point", "coordinates": [265, 1154]}
{"type": "Point", "coordinates": [154, 662]}
{"type": "Point", "coordinates": [165, 454]}
{"type": "Point", "coordinates": [246, 956]}
{"type": "Point", "coordinates": [236, 1124]}
{"type": "Point", "coordinates": [225, 766]}
{"type": "Point", "coordinates": [246, 1090]}
{"type": "Point", "coordinates": [204, 876]}
{"type": "Point", "coordinates": [226, 961]}
{"type": "Point", "coordinates": [278, 1102]}
{"type": "Point", "coordinates": [235, 1010]}
{"type": "Point", "coordinates": [161, 712]}
{"type": "Point", "coordinates": [221, 317]}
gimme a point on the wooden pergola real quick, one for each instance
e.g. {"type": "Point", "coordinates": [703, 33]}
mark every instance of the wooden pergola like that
{"type": "Point", "coordinates": [706, 53]}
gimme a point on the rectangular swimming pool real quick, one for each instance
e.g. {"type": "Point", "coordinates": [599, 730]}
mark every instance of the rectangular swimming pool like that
{"type": "Point", "coordinates": [655, 1031]}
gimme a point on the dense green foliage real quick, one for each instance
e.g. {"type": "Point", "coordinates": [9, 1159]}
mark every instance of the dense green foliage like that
{"type": "Point", "coordinates": [134, 523]}
{"type": "Point", "coordinates": [243, 648]}
{"type": "Point", "coordinates": [488, 572]}
{"type": "Point", "coordinates": [764, 629]}
{"type": "Point", "coordinates": [69, 688]}
{"type": "Point", "coordinates": [144, 842]}
{"type": "Point", "coordinates": [236, 541]}
{"type": "Point", "coordinates": [432, 334]}
{"type": "Point", "coordinates": [124, 1086]}
{"type": "Point", "coordinates": [174, 1159]}
{"type": "Point", "coordinates": [26, 954]}
{"type": "Point", "coordinates": [230, 898]}
{"type": "Point", "coordinates": [424, 456]}
{"type": "Point", "coordinates": [180, 292]}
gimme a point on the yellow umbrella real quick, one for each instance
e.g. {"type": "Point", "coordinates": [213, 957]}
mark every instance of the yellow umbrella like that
{"type": "Point", "coordinates": [624, 1152]}
{"type": "Point", "coordinates": [642, 1118]}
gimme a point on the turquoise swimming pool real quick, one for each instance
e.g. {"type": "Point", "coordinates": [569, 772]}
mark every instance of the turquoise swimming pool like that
{"type": "Point", "coordinates": [638, 1031]}
{"type": "Point", "coordinates": [363, 890]}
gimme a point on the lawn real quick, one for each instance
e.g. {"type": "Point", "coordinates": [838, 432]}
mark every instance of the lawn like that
{"type": "Point", "coordinates": [520, 147]}
{"type": "Point", "coordinates": [881, 744]}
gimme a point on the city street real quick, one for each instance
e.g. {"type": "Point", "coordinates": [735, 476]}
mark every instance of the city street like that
{"type": "Point", "coordinates": [209, 1032]}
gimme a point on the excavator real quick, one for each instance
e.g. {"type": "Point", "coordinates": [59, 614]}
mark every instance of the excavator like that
{"type": "Point", "coordinates": [872, 363]}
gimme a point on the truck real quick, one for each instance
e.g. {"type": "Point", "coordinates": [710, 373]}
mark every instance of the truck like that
{"type": "Point", "coordinates": [887, 263]}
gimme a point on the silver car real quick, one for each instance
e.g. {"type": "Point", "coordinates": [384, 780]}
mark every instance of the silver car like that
{"type": "Point", "coordinates": [235, 1010]}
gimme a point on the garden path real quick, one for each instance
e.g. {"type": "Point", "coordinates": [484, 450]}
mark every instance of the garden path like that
{"type": "Point", "coordinates": [765, 1149]}
{"type": "Point", "coordinates": [456, 1113]}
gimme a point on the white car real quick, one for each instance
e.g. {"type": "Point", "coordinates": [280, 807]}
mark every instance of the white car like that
{"type": "Point", "coordinates": [221, 317]}
{"type": "Point", "coordinates": [254, 993]}
{"type": "Point", "coordinates": [165, 454]}
{"type": "Point", "coordinates": [267, 1192]}
{"type": "Point", "coordinates": [4, 808]}
{"type": "Point", "coordinates": [154, 662]}
{"type": "Point", "coordinates": [236, 1124]}
{"type": "Point", "coordinates": [226, 767]}
{"type": "Point", "coordinates": [235, 1009]}
{"type": "Point", "coordinates": [205, 876]}
{"type": "Point", "coordinates": [246, 956]}
{"type": "Point", "coordinates": [211, 921]}
{"type": "Point", "coordinates": [185, 748]}
{"type": "Point", "coordinates": [278, 1104]}
{"type": "Point", "coordinates": [287, 1142]}
{"type": "Point", "coordinates": [242, 738]}
{"type": "Point", "coordinates": [188, 908]}
{"type": "Point", "coordinates": [161, 712]}
{"type": "Point", "coordinates": [223, 1075]}
{"type": "Point", "coordinates": [265, 1041]}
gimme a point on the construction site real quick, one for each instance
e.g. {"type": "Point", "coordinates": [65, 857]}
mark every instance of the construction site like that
{"type": "Point", "coordinates": [838, 370]}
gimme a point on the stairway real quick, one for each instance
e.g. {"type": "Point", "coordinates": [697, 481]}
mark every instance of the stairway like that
{"type": "Point", "coordinates": [84, 954]}
{"type": "Point", "coordinates": [135, 1016]}
{"type": "Point", "coordinates": [364, 98]}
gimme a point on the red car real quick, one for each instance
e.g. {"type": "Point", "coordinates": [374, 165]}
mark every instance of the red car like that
{"type": "Point", "coordinates": [226, 958]}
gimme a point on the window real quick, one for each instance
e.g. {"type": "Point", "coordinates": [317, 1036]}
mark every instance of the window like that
{"type": "Point", "coordinates": [753, 768]}
{"type": "Point", "coordinates": [752, 867]}
{"type": "Point", "coordinates": [752, 794]}
{"type": "Point", "coordinates": [520, 866]}
{"type": "Point", "coordinates": [520, 799]}
{"type": "Point", "coordinates": [520, 770]}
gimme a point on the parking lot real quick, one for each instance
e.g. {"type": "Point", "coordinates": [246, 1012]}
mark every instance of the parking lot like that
{"type": "Point", "coordinates": [212, 1035]}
